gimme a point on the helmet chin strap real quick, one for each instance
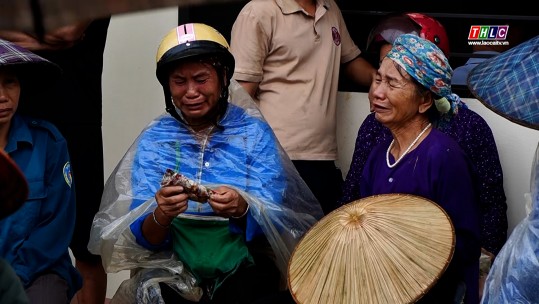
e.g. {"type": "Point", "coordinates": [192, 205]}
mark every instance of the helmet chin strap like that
{"type": "Point", "coordinates": [181, 116]}
{"type": "Point", "coordinates": [177, 109]}
{"type": "Point", "coordinates": [215, 114]}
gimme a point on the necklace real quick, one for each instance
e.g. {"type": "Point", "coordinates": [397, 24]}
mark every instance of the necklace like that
{"type": "Point", "coordinates": [407, 149]}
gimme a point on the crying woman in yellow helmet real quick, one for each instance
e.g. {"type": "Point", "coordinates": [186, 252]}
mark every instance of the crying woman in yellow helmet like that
{"type": "Point", "coordinates": [206, 187]}
{"type": "Point", "coordinates": [187, 46]}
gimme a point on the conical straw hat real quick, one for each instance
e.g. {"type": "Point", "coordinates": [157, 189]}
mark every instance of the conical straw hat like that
{"type": "Point", "coordinates": [388, 248]}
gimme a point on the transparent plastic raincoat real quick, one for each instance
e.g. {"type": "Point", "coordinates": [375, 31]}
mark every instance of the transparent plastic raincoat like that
{"type": "Point", "coordinates": [243, 153]}
{"type": "Point", "coordinates": [514, 276]}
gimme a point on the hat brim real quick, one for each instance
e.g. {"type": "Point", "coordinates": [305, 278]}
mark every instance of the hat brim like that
{"type": "Point", "coordinates": [507, 84]}
{"type": "Point", "coordinates": [381, 249]}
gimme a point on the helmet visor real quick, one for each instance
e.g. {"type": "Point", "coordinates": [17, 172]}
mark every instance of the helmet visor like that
{"type": "Point", "coordinates": [390, 28]}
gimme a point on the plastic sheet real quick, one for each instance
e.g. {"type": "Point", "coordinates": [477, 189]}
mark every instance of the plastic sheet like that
{"type": "Point", "coordinates": [281, 205]}
{"type": "Point", "coordinates": [514, 275]}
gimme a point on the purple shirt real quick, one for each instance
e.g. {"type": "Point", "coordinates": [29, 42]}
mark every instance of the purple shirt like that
{"type": "Point", "coordinates": [475, 137]}
{"type": "Point", "coordinates": [439, 170]}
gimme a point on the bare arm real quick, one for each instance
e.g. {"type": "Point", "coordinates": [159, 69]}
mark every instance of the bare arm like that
{"type": "Point", "coordinates": [360, 71]}
{"type": "Point", "coordinates": [61, 38]}
{"type": "Point", "coordinates": [250, 87]}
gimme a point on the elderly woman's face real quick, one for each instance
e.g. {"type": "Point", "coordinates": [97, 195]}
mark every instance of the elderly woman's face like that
{"type": "Point", "coordinates": [10, 91]}
{"type": "Point", "coordinates": [195, 90]}
{"type": "Point", "coordinates": [393, 95]}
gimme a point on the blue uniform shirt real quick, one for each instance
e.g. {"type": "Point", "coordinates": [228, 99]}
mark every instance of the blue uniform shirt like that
{"type": "Point", "coordinates": [35, 239]}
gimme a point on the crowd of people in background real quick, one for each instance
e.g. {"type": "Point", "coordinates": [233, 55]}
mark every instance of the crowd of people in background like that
{"type": "Point", "coordinates": [249, 142]}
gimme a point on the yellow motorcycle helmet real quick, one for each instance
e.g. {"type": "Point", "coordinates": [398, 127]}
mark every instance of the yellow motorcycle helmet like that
{"type": "Point", "coordinates": [190, 41]}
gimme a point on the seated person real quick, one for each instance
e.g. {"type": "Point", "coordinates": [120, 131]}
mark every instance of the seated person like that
{"type": "Point", "coordinates": [467, 127]}
{"type": "Point", "coordinates": [35, 239]}
{"type": "Point", "coordinates": [513, 94]}
{"type": "Point", "coordinates": [207, 186]}
{"type": "Point", "coordinates": [78, 49]}
{"type": "Point", "coordinates": [421, 160]}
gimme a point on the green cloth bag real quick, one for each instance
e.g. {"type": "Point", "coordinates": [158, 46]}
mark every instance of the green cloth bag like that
{"type": "Point", "coordinates": [209, 250]}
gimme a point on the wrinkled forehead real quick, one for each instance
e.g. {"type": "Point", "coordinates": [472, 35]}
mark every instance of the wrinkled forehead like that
{"type": "Point", "coordinates": [193, 68]}
{"type": "Point", "coordinates": [390, 69]}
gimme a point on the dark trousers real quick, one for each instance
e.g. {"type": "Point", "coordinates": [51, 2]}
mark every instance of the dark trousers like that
{"type": "Point", "coordinates": [324, 179]}
{"type": "Point", "coordinates": [246, 286]}
{"type": "Point", "coordinates": [48, 288]}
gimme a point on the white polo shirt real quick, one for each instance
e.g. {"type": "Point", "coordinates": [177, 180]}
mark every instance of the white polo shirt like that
{"type": "Point", "coordinates": [296, 60]}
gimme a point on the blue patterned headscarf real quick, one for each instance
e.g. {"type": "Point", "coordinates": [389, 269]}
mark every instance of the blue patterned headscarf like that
{"type": "Point", "coordinates": [427, 64]}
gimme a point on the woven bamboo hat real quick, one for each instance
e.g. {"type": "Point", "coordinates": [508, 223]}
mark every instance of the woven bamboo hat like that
{"type": "Point", "coordinates": [508, 83]}
{"type": "Point", "coordinates": [388, 248]}
{"type": "Point", "coordinates": [13, 186]}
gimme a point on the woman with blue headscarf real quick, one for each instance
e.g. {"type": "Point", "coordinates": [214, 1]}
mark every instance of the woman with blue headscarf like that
{"type": "Point", "coordinates": [467, 127]}
{"type": "Point", "coordinates": [411, 90]}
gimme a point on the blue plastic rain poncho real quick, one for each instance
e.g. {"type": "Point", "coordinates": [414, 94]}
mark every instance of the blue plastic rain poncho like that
{"type": "Point", "coordinates": [242, 153]}
{"type": "Point", "coordinates": [514, 276]}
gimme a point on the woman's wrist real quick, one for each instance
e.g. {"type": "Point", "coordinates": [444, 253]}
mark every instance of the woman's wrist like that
{"type": "Point", "coordinates": [243, 214]}
{"type": "Point", "coordinates": [160, 223]}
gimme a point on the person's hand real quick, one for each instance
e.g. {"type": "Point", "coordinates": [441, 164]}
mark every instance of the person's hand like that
{"type": "Point", "coordinates": [485, 263]}
{"type": "Point", "coordinates": [171, 201]}
{"type": "Point", "coordinates": [66, 36]}
{"type": "Point", "coordinates": [227, 202]}
{"type": "Point", "coordinates": [25, 40]}
{"type": "Point", "coordinates": [57, 39]}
